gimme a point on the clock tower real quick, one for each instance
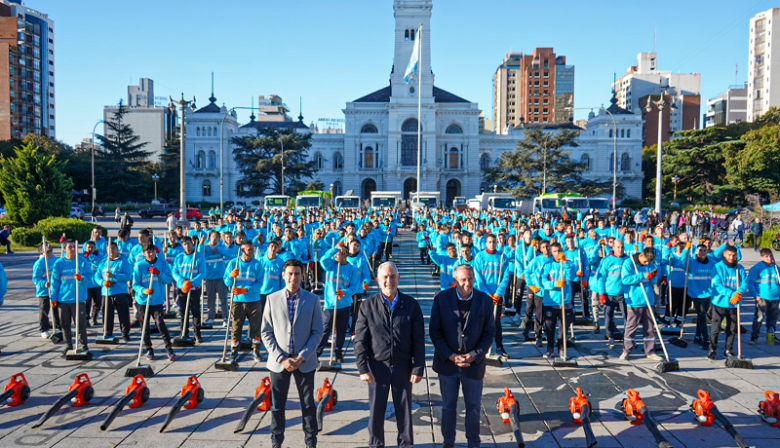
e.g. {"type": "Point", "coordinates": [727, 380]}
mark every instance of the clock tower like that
{"type": "Point", "coordinates": [409, 14]}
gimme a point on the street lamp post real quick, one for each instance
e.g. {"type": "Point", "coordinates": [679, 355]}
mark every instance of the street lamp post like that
{"type": "Point", "coordinates": [282, 142]}
{"type": "Point", "coordinates": [155, 178]}
{"type": "Point", "coordinates": [94, 190]}
{"type": "Point", "coordinates": [675, 179]}
{"type": "Point", "coordinates": [660, 104]}
{"type": "Point", "coordinates": [182, 103]}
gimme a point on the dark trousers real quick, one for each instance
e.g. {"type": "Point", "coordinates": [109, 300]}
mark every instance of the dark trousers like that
{"type": "Point", "coordinates": [156, 313]}
{"type": "Point", "coordinates": [576, 288]}
{"type": "Point", "coordinates": [194, 297]}
{"type": "Point", "coordinates": [67, 317]}
{"type": "Point", "coordinates": [533, 313]}
{"type": "Point", "coordinates": [386, 249]}
{"type": "Point", "coordinates": [120, 302]}
{"type": "Point", "coordinates": [769, 311]}
{"type": "Point", "coordinates": [519, 294]}
{"type": "Point", "coordinates": [214, 288]}
{"type": "Point", "coordinates": [675, 306]}
{"type": "Point", "coordinates": [613, 302]}
{"type": "Point", "coordinates": [702, 307]}
{"type": "Point", "coordinates": [356, 299]}
{"type": "Point", "coordinates": [44, 306]}
{"type": "Point", "coordinates": [342, 325]}
{"type": "Point", "coordinates": [94, 302]}
{"type": "Point", "coordinates": [424, 259]}
{"type": "Point", "coordinates": [757, 241]}
{"type": "Point", "coordinates": [252, 311]}
{"type": "Point", "coordinates": [634, 317]}
{"type": "Point", "coordinates": [718, 313]}
{"type": "Point", "coordinates": [450, 386]}
{"type": "Point", "coordinates": [551, 317]}
{"type": "Point", "coordinates": [280, 386]}
{"type": "Point", "coordinates": [499, 337]}
{"type": "Point", "coordinates": [397, 378]}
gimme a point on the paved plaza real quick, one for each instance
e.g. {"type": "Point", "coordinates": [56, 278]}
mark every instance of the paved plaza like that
{"type": "Point", "coordinates": [542, 391]}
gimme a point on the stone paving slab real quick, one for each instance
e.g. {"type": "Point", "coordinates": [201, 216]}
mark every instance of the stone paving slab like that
{"type": "Point", "coordinates": [541, 390]}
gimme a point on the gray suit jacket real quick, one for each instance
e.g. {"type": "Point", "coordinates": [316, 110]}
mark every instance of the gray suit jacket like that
{"type": "Point", "coordinates": [306, 329]}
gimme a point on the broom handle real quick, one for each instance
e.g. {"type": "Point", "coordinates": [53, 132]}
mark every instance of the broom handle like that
{"type": "Point", "coordinates": [145, 323]}
{"type": "Point", "coordinates": [105, 297]}
{"type": "Point", "coordinates": [669, 285]}
{"type": "Point", "coordinates": [230, 310]}
{"type": "Point", "coordinates": [48, 288]}
{"type": "Point", "coordinates": [76, 258]}
{"type": "Point", "coordinates": [185, 323]}
{"type": "Point", "coordinates": [650, 309]}
{"type": "Point", "coordinates": [685, 293]}
{"type": "Point", "coordinates": [564, 329]}
{"type": "Point", "coordinates": [335, 310]}
{"type": "Point", "coordinates": [739, 321]}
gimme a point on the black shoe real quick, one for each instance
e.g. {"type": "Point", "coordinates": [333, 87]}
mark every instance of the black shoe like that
{"type": "Point", "coordinates": [447, 445]}
{"type": "Point", "coordinates": [501, 352]}
{"type": "Point", "coordinates": [712, 355]}
{"type": "Point", "coordinates": [527, 337]}
{"type": "Point", "coordinates": [126, 337]}
{"type": "Point", "coordinates": [150, 355]}
{"type": "Point", "coordinates": [538, 342]}
{"type": "Point", "coordinates": [65, 351]}
{"type": "Point", "coordinates": [199, 339]}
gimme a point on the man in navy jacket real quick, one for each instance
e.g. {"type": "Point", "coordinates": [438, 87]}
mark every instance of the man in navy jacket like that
{"type": "Point", "coordinates": [461, 329]}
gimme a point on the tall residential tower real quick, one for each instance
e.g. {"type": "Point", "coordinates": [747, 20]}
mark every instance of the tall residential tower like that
{"type": "Point", "coordinates": [764, 29]}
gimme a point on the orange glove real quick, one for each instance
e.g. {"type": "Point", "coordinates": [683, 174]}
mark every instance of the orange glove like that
{"type": "Point", "coordinates": [579, 273]}
{"type": "Point", "coordinates": [153, 270]}
{"type": "Point", "coordinates": [452, 285]}
{"type": "Point", "coordinates": [688, 245]}
{"type": "Point", "coordinates": [165, 249]}
{"type": "Point", "coordinates": [148, 291]}
{"type": "Point", "coordinates": [365, 286]}
{"type": "Point", "coordinates": [562, 258]}
{"type": "Point", "coordinates": [186, 286]}
{"type": "Point", "coordinates": [602, 299]}
{"type": "Point", "coordinates": [54, 303]}
{"type": "Point", "coordinates": [239, 291]}
{"type": "Point", "coordinates": [534, 289]}
{"type": "Point", "coordinates": [522, 277]}
{"type": "Point", "coordinates": [341, 243]}
{"type": "Point", "coordinates": [602, 242]}
{"type": "Point", "coordinates": [339, 293]}
{"type": "Point", "coordinates": [234, 273]}
{"type": "Point", "coordinates": [735, 298]}
{"type": "Point", "coordinates": [77, 277]}
{"type": "Point", "coordinates": [496, 299]}
{"type": "Point", "coordinates": [560, 283]}
{"type": "Point", "coordinates": [584, 283]}
{"type": "Point", "coordinates": [108, 283]}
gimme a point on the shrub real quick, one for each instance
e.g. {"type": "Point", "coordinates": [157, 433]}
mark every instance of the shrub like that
{"type": "Point", "coordinates": [10, 222]}
{"type": "Point", "coordinates": [74, 229]}
{"type": "Point", "coordinates": [26, 237]}
{"type": "Point", "coordinates": [766, 240]}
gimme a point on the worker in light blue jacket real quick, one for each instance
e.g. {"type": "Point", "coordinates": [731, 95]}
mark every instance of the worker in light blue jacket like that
{"type": "Point", "coordinates": [764, 284]}
{"type": "Point", "coordinates": [41, 274]}
{"type": "Point", "coordinates": [729, 285]}
{"type": "Point", "coordinates": [67, 283]}
{"type": "Point", "coordinates": [342, 281]}
{"type": "Point", "coordinates": [189, 271]}
{"type": "Point", "coordinates": [446, 264]}
{"type": "Point", "coordinates": [272, 269]}
{"type": "Point", "coordinates": [245, 276]}
{"type": "Point", "coordinates": [113, 274]}
{"type": "Point", "coordinates": [535, 305]}
{"type": "Point", "coordinates": [216, 257]}
{"type": "Point", "coordinates": [700, 272]}
{"type": "Point", "coordinates": [639, 273]}
{"type": "Point", "coordinates": [491, 276]}
{"type": "Point", "coordinates": [610, 288]}
{"type": "Point", "coordinates": [151, 275]}
{"type": "Point", "coordinates": [556, 278]}
{"type": "Point", "coordinates": [360, 262]}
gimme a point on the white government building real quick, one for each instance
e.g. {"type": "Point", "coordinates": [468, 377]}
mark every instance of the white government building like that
{"type": "Point", "coordinates": [378, 150]}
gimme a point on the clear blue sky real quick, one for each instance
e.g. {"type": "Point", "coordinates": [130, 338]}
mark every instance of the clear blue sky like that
{"type": "Point", "coordinates": [331, 52]}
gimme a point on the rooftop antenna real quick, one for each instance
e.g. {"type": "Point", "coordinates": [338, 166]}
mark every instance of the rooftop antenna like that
{"type": "Point", "coordinates": [212, 83]}
{"type": "Point", "coordinates": [654, 39]}
{"type": "Point", "coordinates": [300, 109]}
{"type": "Point", "coordinates": [736, 74]}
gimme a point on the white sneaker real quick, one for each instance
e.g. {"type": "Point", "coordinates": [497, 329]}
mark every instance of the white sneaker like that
{"type": "Point", "coordinates": [624, 356]}
{"type": "Point", "coordinates": [510, 309]}
{"type": "Point", "coordinates": [224, 324]}
{"type": "Point", "coordinates": [45, 335]}
{"type": "Point", "coordinates": [654, 357]}
{"type": "Point", "coordinates": [753, 342]}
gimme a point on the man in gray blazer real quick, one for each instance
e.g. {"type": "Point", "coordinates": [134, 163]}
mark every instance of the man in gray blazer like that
{"type": "Point", "coordinates": [291, 331]}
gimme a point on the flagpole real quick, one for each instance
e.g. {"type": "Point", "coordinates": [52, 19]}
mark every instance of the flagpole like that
{"type": "Point", "coordinates": [419, 117]}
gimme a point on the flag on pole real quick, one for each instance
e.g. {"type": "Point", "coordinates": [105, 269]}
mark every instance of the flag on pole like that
{"type": "Point", "coordinates": [414, 63]}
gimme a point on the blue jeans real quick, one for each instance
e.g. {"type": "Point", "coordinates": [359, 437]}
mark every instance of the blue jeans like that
{"type": "Point", "coordinates": [472, 395]}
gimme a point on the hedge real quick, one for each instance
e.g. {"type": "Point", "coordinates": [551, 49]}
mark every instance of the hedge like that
{"type": "Point", "coordinates": [74, 229]}
{"type": "Point", "coordinates": [766, 240]}
{"type": "Point", "coordinates": [26, 236]}
{"type": "Point", "coordinates": [10, 222]}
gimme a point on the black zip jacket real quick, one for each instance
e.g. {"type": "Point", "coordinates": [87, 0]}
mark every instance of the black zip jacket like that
{"type": "Point", "coordinates": [395, 339]}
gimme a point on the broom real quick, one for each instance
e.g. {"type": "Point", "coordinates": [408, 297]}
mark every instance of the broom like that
{"type": "Point", "coordinates": [738, 362]}
{"type": "Point", "coordinates": [76, 355]}
{"type": "Point", "coordinates": [678, 341]}
{"type": "Point", "coordinates": [56, 336]}
{"type": "Point", "coordinates": [490, 358]}
{"type": "Point", "coordinates": [563, 360]}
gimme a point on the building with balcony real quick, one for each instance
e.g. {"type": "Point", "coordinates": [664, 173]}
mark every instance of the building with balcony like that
{"type": "Point", "coordinates": [727, 108]}
{"type": "Point", "coordinates": [764, 30]}
{"type": "Point", "coordinates": [26, 72]}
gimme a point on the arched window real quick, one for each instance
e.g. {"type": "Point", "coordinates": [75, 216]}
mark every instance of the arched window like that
{"type": "Point", "coordinates": [337, 188]}
{"type": "Point", "coordinates": [628, 133]}
{"type": "Point", "coordinates": [411, 34]}
{"type": "Point", "coordinates": [317, 160]}
{"type": "Point", "coordinates": [206, 188]}
{"type": "Point", "coordinates": [454, 129]}
{"type": "Point", "coordinates": [215, 131]}
{"type": "Point", "coordinates": [585, 160]}
{"type": "Point", "coordinates": [409, 142]}
{"type": "Point", "coordinates": [201, 161]}
{"type": "Point", "coordinates": [209, 132]}
{"type": "Point", "coordinates": [453, 159]}
{"type": "Point", "coordinates": [368, 157]}
{"type": "Point", "coordinates": [484, 161]}
{"type": "Point", "coordinates": [369, 185]}
{"type": "Point", "coordinates": [369, 129]}
{"type": "Point", "coordinates": [197, 131]}
{"type": "Point", "coordinates": [611, 134]}
{"type": "Point", "coordinates": [625, 162]}
{"type": "Point", "coordinates": [622, 133]}
{"type": "Point", "coordinates": [212, 159]}
{"type": "Point", "coordinates": [406, 34]}
{"type": "Point", "coordinates": [338, 161]}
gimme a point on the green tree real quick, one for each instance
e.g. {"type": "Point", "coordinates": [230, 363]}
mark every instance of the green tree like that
{"type": "Point", "coordinates": [522, 171]}
{"type": "Point", "coordinates": [754, 165]}
{"type": "Point", "coordinates": [34, 185]}
{"type": "Point", "coordinates": [260, 162]}
{"type": "Point", "coordinates": [118, 162]}
{"type": "Point", "coordinates": [697, 158]}
{"type": "Point", "coordinates": [168, 169]}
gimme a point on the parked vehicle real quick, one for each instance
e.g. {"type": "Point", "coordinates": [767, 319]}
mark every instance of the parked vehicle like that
{"type": "Point", "coordinates": [459, 204]}
{"type": "Point", "coordinates": [348, 202]}
{"type": "Point", "coordinates": [428, 199]}
{"type": "Point", "coordinates": [276, 202]}
{"type": "Point", "coordinates": [192, 213]}
{"type": "Point", "coordinates": [387, 199]}
{"type": "Point", "coordinates": [76, 213]}
{"type": "Point", "coordinates": [159, 210]}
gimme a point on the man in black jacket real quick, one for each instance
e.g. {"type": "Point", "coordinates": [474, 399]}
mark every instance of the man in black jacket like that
{"type": "Point", "coordinates": [461, 330]}
{"type": "Point", "coordinates": [390, 352]}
